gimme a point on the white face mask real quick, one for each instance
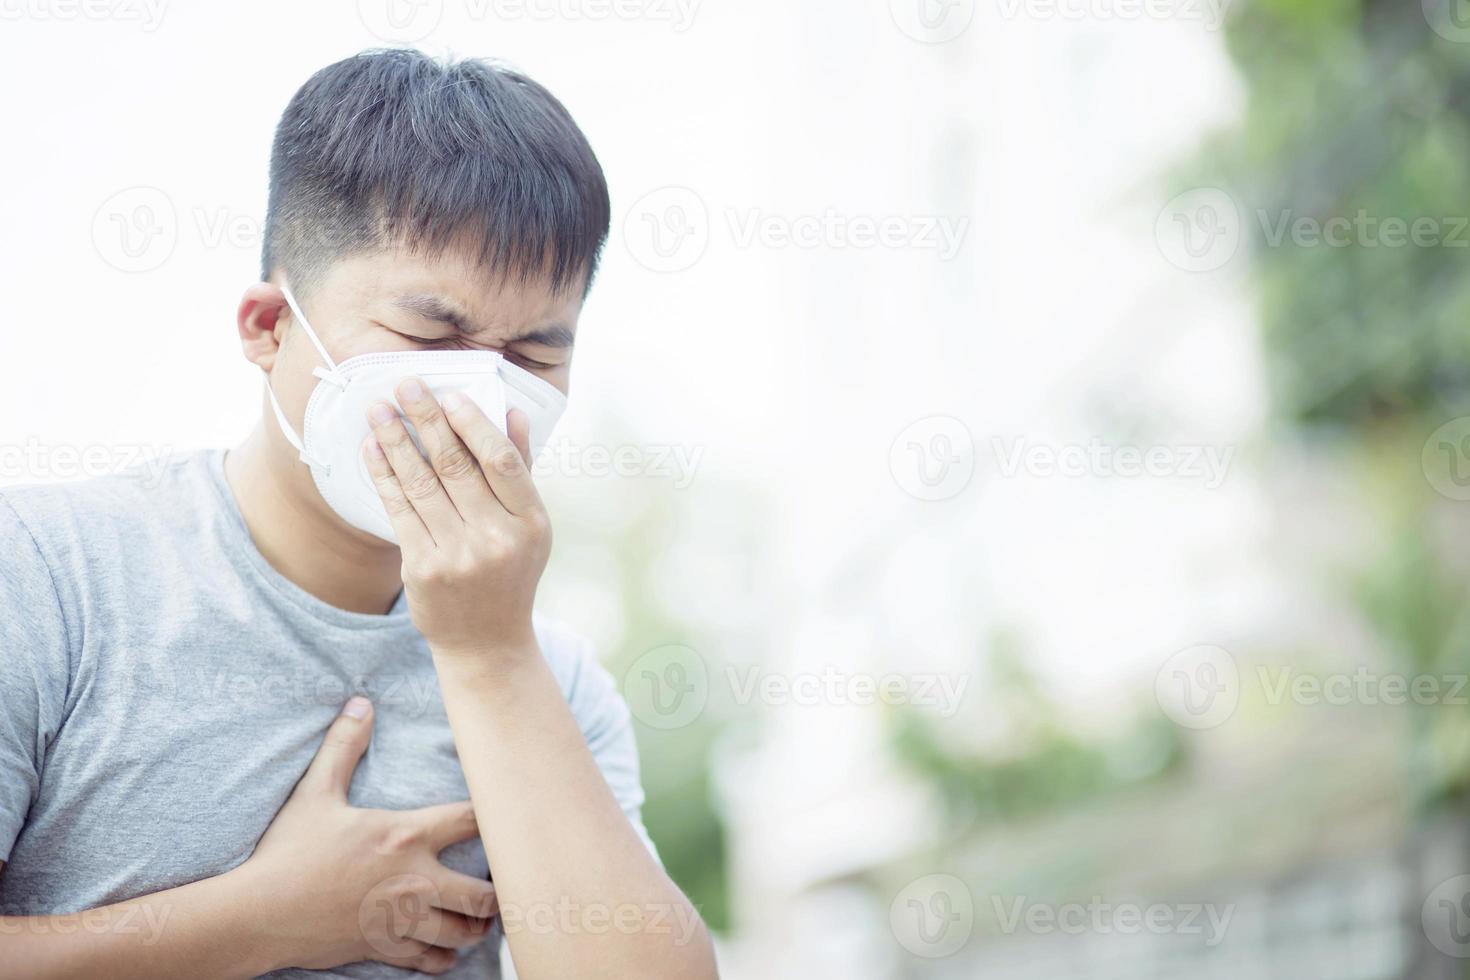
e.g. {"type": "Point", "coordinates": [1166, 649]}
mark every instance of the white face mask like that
{"type": "Point", "coordinates": [336, 424]}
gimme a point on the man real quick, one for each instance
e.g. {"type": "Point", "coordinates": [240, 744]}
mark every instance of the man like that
{"type": "Point", "coordinates": [172, 655]}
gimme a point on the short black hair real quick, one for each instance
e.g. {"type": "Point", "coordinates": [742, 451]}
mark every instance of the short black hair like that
{"type": "Point", "coordinates": [392, 147]}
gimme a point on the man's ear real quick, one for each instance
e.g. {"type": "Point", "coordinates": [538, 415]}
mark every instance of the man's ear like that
{"type": "Point", "coordinates": [262, 310]}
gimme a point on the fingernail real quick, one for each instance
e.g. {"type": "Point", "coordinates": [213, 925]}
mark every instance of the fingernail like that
{"type": "Point", "coordinates": [356, 707]}
{"type": "Point", "coordinates": [411, 391]}
{"type": "Point", "coordinates": [452, 401]}
{"type": "Point", "coordinates": [381, 413]}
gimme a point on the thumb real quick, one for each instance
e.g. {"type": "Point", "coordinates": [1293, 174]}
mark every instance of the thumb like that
{"type": "Point", "coordinates": [341, 749]}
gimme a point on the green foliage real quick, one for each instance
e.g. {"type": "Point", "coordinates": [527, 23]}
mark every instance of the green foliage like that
{"type": "Point", "coordinates": [1358, 110]}
{"type": "Point", "coordinates": [1418, 604]}
{"type": "Point", "coordinates": [1355, 111]}
{"type": "Point", "coordinates": [1049, 766]}
{"type": "Point", "coordinates": [681, 817]}
{"type": "Point", "coordinates": [676, 765]}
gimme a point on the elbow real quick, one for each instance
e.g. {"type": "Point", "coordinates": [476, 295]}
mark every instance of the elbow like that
{"type": "Point", "coordinates": [696, 960]}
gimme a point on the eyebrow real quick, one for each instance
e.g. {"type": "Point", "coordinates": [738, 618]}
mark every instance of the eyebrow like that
{"type": "Point", "coordinates": [432, 307]}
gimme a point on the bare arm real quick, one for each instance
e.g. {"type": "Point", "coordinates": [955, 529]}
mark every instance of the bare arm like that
{"type": "Point", "coordinates": [194, 930]}
{"type": "Point", "coordinates": [580, 895]}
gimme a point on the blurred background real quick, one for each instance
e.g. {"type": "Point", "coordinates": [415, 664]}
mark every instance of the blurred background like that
{"type": "Point", "coordinates": [1019, 456]}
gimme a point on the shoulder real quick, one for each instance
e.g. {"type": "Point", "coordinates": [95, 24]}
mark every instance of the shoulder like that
{"type": "Point", "coordinates": [26, 579]}
{"type": "Point", "coordinates": [81, 523]}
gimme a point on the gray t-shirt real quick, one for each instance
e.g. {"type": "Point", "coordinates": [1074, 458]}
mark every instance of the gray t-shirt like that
{"type": "Point", "coordinates": [162, 688]}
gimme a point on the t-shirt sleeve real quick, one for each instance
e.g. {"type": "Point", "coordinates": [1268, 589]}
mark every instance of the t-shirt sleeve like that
{"type": "Point", "coordinates": [33, 671]}
{"type": "Point", "coordinates": [607, 726]}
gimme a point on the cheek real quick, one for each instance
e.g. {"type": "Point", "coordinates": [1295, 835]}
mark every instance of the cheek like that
{"type": "Point", "coordinates": [292, 378]}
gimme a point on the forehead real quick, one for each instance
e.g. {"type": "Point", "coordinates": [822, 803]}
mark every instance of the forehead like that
{"type": "Point", "coordinates": [399, 282]}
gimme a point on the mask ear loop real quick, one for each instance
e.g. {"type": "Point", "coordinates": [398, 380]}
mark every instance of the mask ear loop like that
{"type": "Point", "coordinates": [329, 374]}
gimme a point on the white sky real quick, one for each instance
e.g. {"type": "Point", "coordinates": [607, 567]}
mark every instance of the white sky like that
{"type": "Point", "coordinates": [792, 370]}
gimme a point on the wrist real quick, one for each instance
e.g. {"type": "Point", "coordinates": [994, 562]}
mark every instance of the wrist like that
{"type": "Point", "coordinates": [509, 645]}
{"type": "Point", "coordinates": [495, 662]}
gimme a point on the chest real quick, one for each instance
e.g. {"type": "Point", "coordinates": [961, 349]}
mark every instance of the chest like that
{"type": "Point", "coordinates": [179, 748]}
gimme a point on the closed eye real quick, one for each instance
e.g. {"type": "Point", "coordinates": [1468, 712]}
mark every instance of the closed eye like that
{"type": "Point", "coordinates": [457, 343]}
{"type": "Point", "coordinates": [437, 343]}
{"type": "Point", "coordinates": [530, 363]}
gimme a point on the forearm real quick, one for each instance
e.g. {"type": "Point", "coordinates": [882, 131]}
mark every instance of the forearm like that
{"type": "Point", "coordinates": [580, 895]}
{"type": "Point", "coordinates": [205, 928]}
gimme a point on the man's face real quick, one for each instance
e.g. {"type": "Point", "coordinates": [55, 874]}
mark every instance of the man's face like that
{"type": "Point", "coordinates": [401, 301]}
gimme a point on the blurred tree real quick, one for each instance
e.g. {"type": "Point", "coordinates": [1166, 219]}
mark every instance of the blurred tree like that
{"type": "Point", "coordinates": [1359, 111]}
{"type": "Point", "coordinates": [1356, 110]}
{"type": "Point", "coordinates": [1046, 764]}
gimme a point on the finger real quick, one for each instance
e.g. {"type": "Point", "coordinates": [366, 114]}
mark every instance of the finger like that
{"type": "Point", "coordinates": [433, 959]}
{"type": "Point", "coordinates": [518, 428]}
{"type": "Point", "coordinates": [447, 823]}
{"type": "Point", "coordinates": [420, 483]}
{"type": "Point", "coordinates": [449, 930]}
{"type": "Point", "coordinates": [341, 749]}
{"type": "Point", "coordinates": [504, 466]}
{"type": "Point", "coordinates": [456, 466]}
{"type": "Point", "coordinates": [405, 520]}
{"type": "Point", "coordinates": [471, 897]}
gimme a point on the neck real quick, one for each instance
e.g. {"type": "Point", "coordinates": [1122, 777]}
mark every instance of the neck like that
{"type": "Point", "coordinates": [300, 537]}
